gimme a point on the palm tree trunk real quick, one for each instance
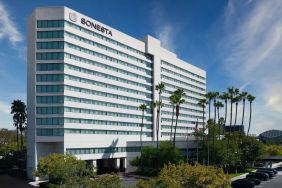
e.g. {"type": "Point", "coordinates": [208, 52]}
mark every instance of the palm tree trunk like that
{"type": "Point", "coordinates": [243, 115]}
{"type": "Point", "coordinates": [250, 119]}
{"type": "Point", "coordinates": [175, 131]}
{"type": "Point", "coordinates": [231, 112]}
{"type": "Point", "coordinates": [17, 138]}
{"type": "Point", "coordinates": [177, 114]}
{"type": "Point", "coordinates": [219, 126]}
{"type": "Point", "coordinates": [225, 116]}
{"type": "Point", "coordinates": [209, 109]}
{"type": "Point", "coordinates": [21, 140]}
{"type": "Point", "coordinates": [171, 123]}
{"type": "Point", "coordinates": [213, 132]}
{"type": "Point", "coordinates": [141, 144]}
{"type": "Point", "coordinates": [236, 114]}
{"type": "Point", "coordinates": [158, 117]}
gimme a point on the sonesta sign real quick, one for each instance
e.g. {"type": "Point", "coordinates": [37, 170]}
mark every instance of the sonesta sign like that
{"type": "Point", "coordinates": [96, 26]}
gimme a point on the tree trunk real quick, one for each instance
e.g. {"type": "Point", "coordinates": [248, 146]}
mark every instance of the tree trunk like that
{"type": "Point", "coordinates": [21, 140]}
{"type": "Point", "coordinates": [177, 114]}
{"type": "Point", "coordinates": [141, 144]}
{"type": "Point", "coordinates": [236, 114]}
{"type": "Point", "coordinates": [213, 132]}
{"type": "Point", "coordinates": [209, 109]}
{"type": "Point", "coordinates": [243, 115]}
{"type": "Point", "coordinates": [231, 112]}
{"type": "Point", "coordinates": [219, 126]}
{"type": "Point", "coordinates": [250, 118]}
{"type": "Point", "coordinates": [171, 123]}
{"type": "Point", "coordinates": [17, 138]}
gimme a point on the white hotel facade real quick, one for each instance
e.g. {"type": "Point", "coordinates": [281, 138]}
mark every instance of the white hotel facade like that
{"type": "Point", "coordinates": [86, 81]}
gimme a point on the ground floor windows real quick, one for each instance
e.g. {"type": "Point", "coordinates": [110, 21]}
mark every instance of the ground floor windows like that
{"type": "Point", "coordinates": [79, 151]}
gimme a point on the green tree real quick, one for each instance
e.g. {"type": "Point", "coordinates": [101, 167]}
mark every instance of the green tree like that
{"type": "Point", "coordinates": [232, 92]}
{"type": "Point", "coordinates": [225, 96]}
{"type": "Point", "coordinates": [209, 97]}
{"type": "Point", "coordinates": [18, 109]}
{"type": "Point", "coordinates": [236, 100]}
{"type": "Point", "coordinates": [173, 100]}
{"type": "Point", "coordinates": [218, 105]}
{"type": "Point", "coordinates": [158, 104]}
{"type": "Point", "coordinates": [244, 97]}
{"type": "Point", "coordinates": [179, 100]}
{"type": "Point", "coordinates": [142, 107]}
{"type": "Point", "coordinates": [250, 99]}
{"type": "Point", "coordinates": [103, 181]}
{"type": "Point", "coordinates": [63, 170]}
{"type": "Point", "coordinates": [165, 155]}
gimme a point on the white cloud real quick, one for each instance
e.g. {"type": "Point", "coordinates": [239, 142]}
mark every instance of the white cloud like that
{"type": "Point", "coordinates": [252, 46]}
{"type": "Point", "coordinates": [164, 30]}
{"type": "Point", "coordinates": [4, 107]}
{"type": "Point", "coordinates": [8, 27]}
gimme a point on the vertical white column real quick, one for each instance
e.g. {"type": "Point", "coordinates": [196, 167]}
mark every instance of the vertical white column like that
{"type": "Point", "coordinates": [117, 163]}
{"type": "Point", "coordinates": [94, 165]}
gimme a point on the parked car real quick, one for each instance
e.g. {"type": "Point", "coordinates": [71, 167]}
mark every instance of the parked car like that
{"type": "Point", "coordinates": [256, 181]}
{"type": "Point", "coordinates": [270, 174]}
{"type": "Point", "coordinates": [258, 175]}
{"type": "Point", "coordinates": [279, 168]}
{"type": "Point", "coordinates": [242, 183]}
{"type": "Point", "coordinates": [270, 169]}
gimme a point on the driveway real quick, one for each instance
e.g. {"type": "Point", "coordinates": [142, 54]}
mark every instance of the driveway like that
{"type": "Point", "coordinates": [7, 181]}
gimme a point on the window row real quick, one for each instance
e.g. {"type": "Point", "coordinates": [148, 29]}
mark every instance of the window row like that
{"type": "Point", "coordinates": [49, 66]}
{"type": "Point", "coordinates": [178, 127]}
{"type": "Point", "coordinates": [96, 73]}
{"type": "Point", "coordinates": [105, 94]}
{"type": "Point", "coordinates": [176, 134]}
{"type": "Point", "coordinates": [49, 88]}
{"type": "Point", "coordinates": [50, 23]}
{"type": "Point", "coordinates": [61, 131]}
{"type": "Point", "coordinates": [107, 39]}
{"type": "Point", "coordinates": [61, 110]}
{"type": "Point", "coordinates": [61, 99]}
{"type": "Point", "coordinates": [186, 90]}
{"type": "Point", "coordinates": [50, 45]}
{"type": "Point", "coordinates": [183, 70]}
{"type": "Point", "coordinates": [181, 82]}
{"type": "Point", "coordinates": [91, 62]}
{"type": "Point", "coordinates": [92, 43]}
{"type": "Point", "coordinates": [184, 108]}
{"type": "Point", "coordinates": [181, 114]}
{"type": "Point", "coordinates": [50, 56]}
{"type": "Point", "coordinates": [116, 132]}
{"type": "Point", "coordinates": [50, 77]}
{"type": "Point", "coordinates": [50, 34]}
{"type": "Point", "coordinates": [111, 68]}
{"type": "Point", "coordinates": [182, 76]}
{"type": "Point", "coordinates": [187, 103]}
{"type": "Point", "coordinates": [58, 121]}
{"type": "Point", "coordinates": [49, 99]}
{"type": "Point", "coordinates": [179, 121]}
{"type": "Point", "coordinates": [110, 86]}
{"type": "Point", "coordinates": [185, 97]}
{"type": "Point", "coordinates": [79, 151]}
{"type": "Point", "coordinates": [97, 54]}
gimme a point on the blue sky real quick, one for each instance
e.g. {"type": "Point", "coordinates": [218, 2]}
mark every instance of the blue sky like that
{"type": "Point", "coordinates": [238, 43]}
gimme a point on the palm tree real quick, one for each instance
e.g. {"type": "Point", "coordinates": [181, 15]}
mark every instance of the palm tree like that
{"type": "Point", "coordinates": [18, 109]}
{"type": "Point", "coordinates": [142, 107]}
{"type": "Point", "coordinates": [232, 92]}
{"type": "Point", "coordinates": [243, 97]}
{"type": "Point", "coordinates": [215, 96]}
{"type": "Point", "coordinates": [209, 97]}
{"type": "Point", "coordinates": [218, 105]}
{"type": "Point", "coordinates": [236, 99]}
{"type": "Point", "coordinates": [179, 100]}
{"type": "Point", "coordinates": [160, 88]}
{"type": "Point", "coordinates": [173, 101]}
{"type": "Point", "coordinates": [202, 103]}
{"type": "Point", "coordinates": [250, 99]}
{"type": "Point", "coordinates": [157, 104]}
{"type": "Point", "coordinates": [225, 96]}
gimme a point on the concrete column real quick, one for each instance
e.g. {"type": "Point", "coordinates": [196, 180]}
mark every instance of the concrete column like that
{"type": "Point", "coordinates": [117, 163]}
{"type": "Point", "coordinates": [94, 165]}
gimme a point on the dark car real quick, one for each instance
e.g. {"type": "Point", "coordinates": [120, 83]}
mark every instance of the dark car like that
{"type": "Point", "coordinates": [256, 181]}
{"type": "Point", "coordinates": [242, 183]}
{"type": "Point", "coordinates": [279, 168]}
{"type": "Point", "coordinates": [258, 175]}
{"type": "Point", "coordinates": [270, 174]}
{"type": "Point", "coordinates": [270, 169]}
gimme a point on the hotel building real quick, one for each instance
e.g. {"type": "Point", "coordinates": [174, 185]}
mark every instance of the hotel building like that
{"type": "Point", "coordinates": [86, 81]}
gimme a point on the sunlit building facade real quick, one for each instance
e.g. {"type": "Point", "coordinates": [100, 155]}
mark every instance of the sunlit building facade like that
{"type": "Point", "coordinates": [86, 81]}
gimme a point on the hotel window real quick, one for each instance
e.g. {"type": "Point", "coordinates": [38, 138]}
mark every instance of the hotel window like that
{"type": "Point", "coordinates": [50, 23]}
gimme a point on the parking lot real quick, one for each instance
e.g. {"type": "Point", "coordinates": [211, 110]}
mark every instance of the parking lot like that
{"type": "Point", "coordinates": [276, 182]}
